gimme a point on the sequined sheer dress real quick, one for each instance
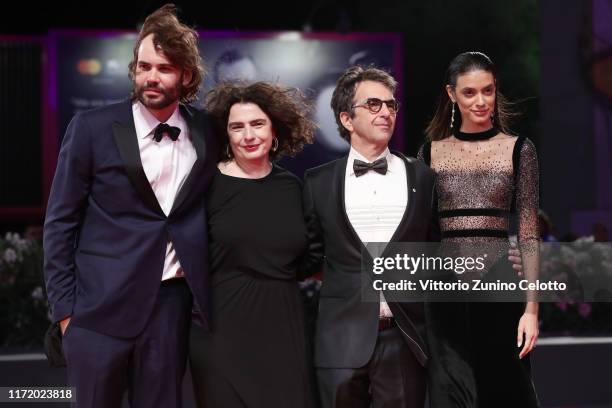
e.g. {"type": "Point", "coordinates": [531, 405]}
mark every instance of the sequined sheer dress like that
{"type": "Point", "coordinates": [483, 180]}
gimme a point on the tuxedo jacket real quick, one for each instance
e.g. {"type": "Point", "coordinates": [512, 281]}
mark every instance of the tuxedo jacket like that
{"type": "Point", "coordinates": [347, 325]}
{"type": "Point", "coordinates": [105, 234]}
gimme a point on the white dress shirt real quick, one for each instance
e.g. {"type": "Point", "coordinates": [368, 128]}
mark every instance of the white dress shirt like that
{"type": "Point", "coordinates": [375, 203]}
{"type": "Point", "coordinates": [166, 165]}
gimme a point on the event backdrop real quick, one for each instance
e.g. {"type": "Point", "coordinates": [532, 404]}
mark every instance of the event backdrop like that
{"type": "Point", "coordinates": [598, 60]}
{"type": "Point", "coordinates": [89, 69]}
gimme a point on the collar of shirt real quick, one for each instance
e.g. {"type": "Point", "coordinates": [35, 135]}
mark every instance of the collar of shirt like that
{"type": "Point", "coordinates": [145, 122]}
{"type": "Point", "coordinates": [354, 154]}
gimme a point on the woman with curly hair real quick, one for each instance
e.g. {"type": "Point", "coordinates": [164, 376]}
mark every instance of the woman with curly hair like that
{"type": "Point", "coordinates": [255, 354]}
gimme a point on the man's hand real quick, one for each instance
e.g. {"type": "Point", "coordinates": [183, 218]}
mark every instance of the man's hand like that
{"type": "Point", "coordinates": [64, 324]}
{"type": "Point", "coordinates": [514, 256]}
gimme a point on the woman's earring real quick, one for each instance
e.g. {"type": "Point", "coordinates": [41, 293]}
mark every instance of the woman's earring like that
{"type": "Point", "coordinates": [452, 116]}
{"type": "Point", "coordinates": [274, 144]}
{"type": "Point", "coordinates": [227, 151]}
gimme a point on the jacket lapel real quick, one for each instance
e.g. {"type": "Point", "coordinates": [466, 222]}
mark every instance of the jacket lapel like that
{"type": "Point", "coordinates": [407, 327]}
{"type": "Point", "coordinates": [124, 133]}
{"type": "Point", "coordinates": [411, 190]}
{"type": "Point", "coordinates": [339, 181]}
{"type": "Point", "coordinates": [196, 132]}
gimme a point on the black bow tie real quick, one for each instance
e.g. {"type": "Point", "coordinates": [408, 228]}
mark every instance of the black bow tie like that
{"type": "Point", "coordinates": [360, 167]}
{"type": "Point", "coordinates": [165, 129]}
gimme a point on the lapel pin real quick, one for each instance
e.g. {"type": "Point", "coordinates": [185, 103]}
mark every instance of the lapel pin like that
{"type": "Point", "coordinates": [414, 190]}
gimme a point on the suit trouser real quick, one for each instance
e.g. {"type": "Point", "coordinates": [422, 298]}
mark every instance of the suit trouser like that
{"type": "Point", "coordinates": [150, 366]}
{"type": "Point", "coordinates": [393, 378]}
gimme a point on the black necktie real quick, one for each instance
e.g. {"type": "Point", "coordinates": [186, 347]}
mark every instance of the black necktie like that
{"type": "Point", "coordinates": [360, 167]}
{"type": "Point", "coordinates": [165, 129]}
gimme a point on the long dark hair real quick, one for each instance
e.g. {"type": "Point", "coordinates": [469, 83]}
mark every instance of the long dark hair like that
{"type": "Point", "coordinates": [439, 127]}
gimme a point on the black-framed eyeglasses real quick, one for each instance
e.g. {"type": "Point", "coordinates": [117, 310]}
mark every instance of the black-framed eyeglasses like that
{"type": "Point", "coordinates": [374, 105]}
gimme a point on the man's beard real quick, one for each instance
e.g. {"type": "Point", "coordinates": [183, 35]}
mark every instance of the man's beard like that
{"type": "Point", "coordinates": [168, 96]}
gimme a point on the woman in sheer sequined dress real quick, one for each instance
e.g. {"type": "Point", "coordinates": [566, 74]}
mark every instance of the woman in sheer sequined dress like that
{"type": "Point", "coordinates": [485, 176]}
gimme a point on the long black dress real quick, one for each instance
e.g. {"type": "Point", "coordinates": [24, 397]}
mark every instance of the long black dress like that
{"type": "Point", "coordinates": [483, 179]}
{"type": "Point", "coordinates": [254, 356]}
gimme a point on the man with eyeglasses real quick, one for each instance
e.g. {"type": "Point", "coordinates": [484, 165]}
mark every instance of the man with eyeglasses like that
{"type": "Point", "coordinates": [367, 353]}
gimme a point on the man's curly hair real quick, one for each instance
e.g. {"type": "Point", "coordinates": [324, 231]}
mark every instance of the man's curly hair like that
{"type": "Point", "coordinates": [179, 44]}
{"type": "Point", "coordinates": [287, 107]}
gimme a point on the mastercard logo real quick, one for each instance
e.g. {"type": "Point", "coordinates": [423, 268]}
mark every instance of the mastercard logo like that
{"type": "Point", "coordinates": [89, 67]}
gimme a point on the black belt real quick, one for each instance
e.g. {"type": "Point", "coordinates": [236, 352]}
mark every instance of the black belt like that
{"type": "Point", "coordinates": [385, 323]}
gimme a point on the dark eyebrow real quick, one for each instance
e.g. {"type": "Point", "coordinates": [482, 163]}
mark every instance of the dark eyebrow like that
{"type": "Point", "coordinates": [469, 88]}
{"type": "Point", "coordinates": [239, 122]}
{"type": "Point", "coordinates": [168, 65]}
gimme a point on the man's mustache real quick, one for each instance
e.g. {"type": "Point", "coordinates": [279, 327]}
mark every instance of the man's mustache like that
{"type": "Point", "coordinates": [153, 88]}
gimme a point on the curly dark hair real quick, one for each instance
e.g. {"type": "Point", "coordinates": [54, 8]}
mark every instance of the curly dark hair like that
{"type": "Point", "coordinates": [287, 107]}
{"type": "Point", "coordinates": [179, 44]}
{"type": "Point", "coordinates": [342, 98]}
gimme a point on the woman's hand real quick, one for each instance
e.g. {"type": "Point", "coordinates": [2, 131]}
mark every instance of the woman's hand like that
{"type": "Point", "coordinates": [528, 332]}
{"type": "Point", "coordinates": [514, 256]}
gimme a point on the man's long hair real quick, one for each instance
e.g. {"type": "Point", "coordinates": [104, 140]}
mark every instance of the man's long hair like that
{"type": "Point", "coordinates": [178, 42]}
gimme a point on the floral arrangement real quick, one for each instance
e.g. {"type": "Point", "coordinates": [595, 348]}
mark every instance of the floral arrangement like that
{"type": "Point", "coordinates": [586, 267]}
{"type": "Point", "coordinates": [23, 306]}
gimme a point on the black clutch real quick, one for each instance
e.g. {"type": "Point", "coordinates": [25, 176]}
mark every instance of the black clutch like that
{"type": "Point", "coordinates": [53, 346]}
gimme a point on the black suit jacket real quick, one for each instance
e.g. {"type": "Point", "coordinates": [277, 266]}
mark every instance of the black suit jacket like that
{"type": "Point", "coordinates": [105, 234]}
{"type": "Point", "coordinates": [347, 327]}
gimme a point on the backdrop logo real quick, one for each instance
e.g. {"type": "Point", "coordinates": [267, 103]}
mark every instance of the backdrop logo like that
{"type": "Point", "coordinates": [89, 67]}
